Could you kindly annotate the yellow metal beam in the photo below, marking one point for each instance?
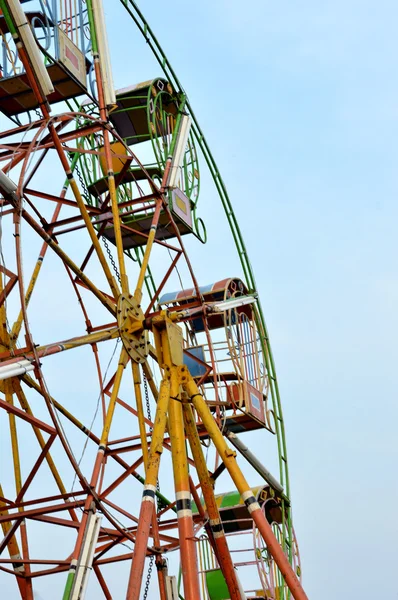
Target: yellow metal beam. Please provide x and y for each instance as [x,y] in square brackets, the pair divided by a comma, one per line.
[115,214]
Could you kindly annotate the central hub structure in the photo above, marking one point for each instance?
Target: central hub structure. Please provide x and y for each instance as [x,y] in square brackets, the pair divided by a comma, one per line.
[130,319]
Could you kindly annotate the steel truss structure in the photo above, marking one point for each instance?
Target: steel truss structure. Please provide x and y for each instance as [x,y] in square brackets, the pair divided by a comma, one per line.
[102,186]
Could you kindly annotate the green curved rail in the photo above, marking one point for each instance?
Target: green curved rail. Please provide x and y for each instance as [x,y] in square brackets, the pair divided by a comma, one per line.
[171,76]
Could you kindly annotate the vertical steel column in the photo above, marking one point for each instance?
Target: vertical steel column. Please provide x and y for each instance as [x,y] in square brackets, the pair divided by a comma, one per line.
[188,558]
[228,457]
[144,444]
[18,486]
[148,496]
[216,527]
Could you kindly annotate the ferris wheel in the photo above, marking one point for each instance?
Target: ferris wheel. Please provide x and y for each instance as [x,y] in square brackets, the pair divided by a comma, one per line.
[128,386]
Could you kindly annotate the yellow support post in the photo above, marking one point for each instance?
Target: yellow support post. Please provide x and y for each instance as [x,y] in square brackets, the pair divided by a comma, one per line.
[24,585]
[18,323]
[148,249]
[109,304]
[83,210]
[123,360]
[216,527]
[18,484]
[94,239]
[115,214]
[14,437]
[188,558]
[228,456]
[144,443]
[148,497]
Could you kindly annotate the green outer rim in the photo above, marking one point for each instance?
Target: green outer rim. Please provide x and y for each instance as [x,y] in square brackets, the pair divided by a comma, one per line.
[8,18]
[93,33]
[171,76]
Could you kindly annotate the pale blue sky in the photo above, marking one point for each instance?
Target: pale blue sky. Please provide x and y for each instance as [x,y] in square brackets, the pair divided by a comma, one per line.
[299,104]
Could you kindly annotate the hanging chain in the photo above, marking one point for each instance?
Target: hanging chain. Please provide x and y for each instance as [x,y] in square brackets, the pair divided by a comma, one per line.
[82,183]
[148,406]
[148,579]
[104,240]
[148,412]
[111,259]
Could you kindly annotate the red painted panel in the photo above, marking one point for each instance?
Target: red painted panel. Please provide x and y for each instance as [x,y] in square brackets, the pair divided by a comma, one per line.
[253,399]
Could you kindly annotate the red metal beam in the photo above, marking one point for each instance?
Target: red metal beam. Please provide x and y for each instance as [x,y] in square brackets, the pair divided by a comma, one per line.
[27,514]
[30,419]
[35,468]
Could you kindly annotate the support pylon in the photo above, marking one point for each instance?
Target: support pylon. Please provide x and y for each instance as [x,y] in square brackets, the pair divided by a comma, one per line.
[216,527]
[148,496]
[228,456]
[189,563]
[173,408]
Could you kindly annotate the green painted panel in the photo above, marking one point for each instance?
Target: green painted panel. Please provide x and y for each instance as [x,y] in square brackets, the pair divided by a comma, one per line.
[216,585]
[230,499]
